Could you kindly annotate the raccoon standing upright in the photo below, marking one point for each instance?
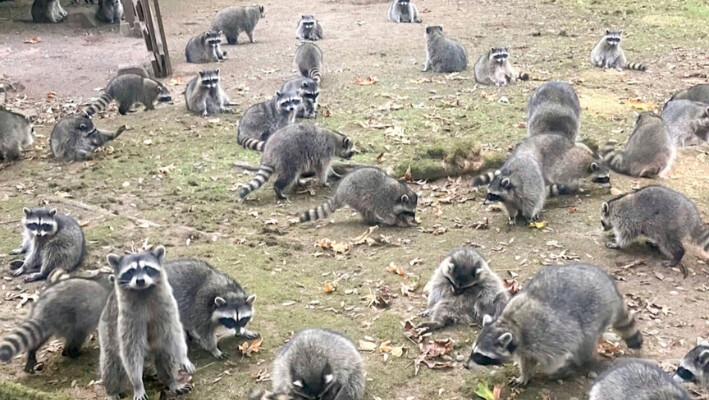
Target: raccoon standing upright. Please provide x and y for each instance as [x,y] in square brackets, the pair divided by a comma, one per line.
[403,11]
[75,137]
[109,11]
[205,48]
[636,380]
[443,55]
[262,119]
[50,11]
[141,321]
[308,61]
[555,323]
[49,240]
[309,28]
[687,121]
[462,290]
[495,69]
[609,54]
[554,108]
[127,90]
[319,364]
[204,94]
[694,367]
[379,198]
[16,135]
[236,19]
[308,91]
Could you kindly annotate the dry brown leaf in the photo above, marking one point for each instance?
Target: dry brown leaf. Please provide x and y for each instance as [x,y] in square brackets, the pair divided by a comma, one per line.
[365,81]
[248,349]
[166,170]
[396,269]
[328,288]
[33,40]
[608,349]
[512,286]
[337,247]
[365,345]
[432,350]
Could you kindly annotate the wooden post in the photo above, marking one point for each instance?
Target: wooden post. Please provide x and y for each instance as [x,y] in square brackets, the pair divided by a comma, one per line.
[147,13]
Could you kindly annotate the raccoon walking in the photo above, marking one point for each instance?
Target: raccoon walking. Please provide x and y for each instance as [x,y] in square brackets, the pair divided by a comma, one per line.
[636,380]
[294,150]
[127,90]
[687,121]
[75,138]
[262,119]
[204,94]
[209,301]
[609,54]
[462,290]
[69,308]
[308,91]
[236,19]
[694,367]
[403,11]
[649,152]
[379,198]
[109,11]
[494,68]
[308,61]
[205,48]
[16,135]
[49,240]
[141,320]
[554,108]
[319,364]
[665,217]
[48,11]
[555,323]
[443,55]
[309,28]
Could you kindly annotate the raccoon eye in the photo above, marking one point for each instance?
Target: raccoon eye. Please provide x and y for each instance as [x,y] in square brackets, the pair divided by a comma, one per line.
[82,127]
[151,272]
[127,276]
[32,226]
[46,227]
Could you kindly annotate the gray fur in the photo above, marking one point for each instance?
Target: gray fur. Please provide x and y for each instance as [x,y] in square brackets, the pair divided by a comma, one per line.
[694,367]
[257,394]
[204,94]
[236,19]
[262,119]
[16,135]
[555,323]
[128,89]
[554,108]
[141,320]
[379,198]
[309,28]
[308,61]
[205,48]
[317,363]
[75,138]
[109,11]
[49,11]
[308,91]
[495,69]
[297,149]
[636,380]
[687,121]
[698,93]
[403,11]
[443,55]
[608,54]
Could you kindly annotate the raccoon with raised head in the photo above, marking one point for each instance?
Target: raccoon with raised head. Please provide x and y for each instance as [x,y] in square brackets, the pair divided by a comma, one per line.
[379,198]
[666,218]
[555,323]
[609,54]
[75,138]
[50,11]
[308,61]
[687,121]
[204,94]
[109,11]
[127,90]
[403,11]
[16,135]
[210,302]
[319,364]
[462,290]
[443,55]
[141,321]
[698,93]
[308,91]
[236,19]
[69,308]
[309,28]
[636,380]
[554,108]
[49,240]
[262,119]
[494,68]
[294,150]
[648,153]
[694,367]
[205,48]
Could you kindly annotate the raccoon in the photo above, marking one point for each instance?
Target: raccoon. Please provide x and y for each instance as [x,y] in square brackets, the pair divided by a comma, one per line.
[694,367]
[555,323]
[554,108]
[209,301]
[309,28]
[49,240]
[403,11]
[609,54]
[236,19]
[109,11]
[262,119]
[127,90]
[687,121]
[665,217]
[308,60]
[205,48]
[308,91]
[69,308]
[75,138]
[319,364]
[698,93]
[141,319]
[636,380]
[16,135]
[443,55]
[649,152]
[577,163]
[294,150]
[379,198]
[48,11]
[494,68]
[462,290]
[204,94]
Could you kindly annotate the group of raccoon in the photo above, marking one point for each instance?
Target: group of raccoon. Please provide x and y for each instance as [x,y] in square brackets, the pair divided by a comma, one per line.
[51,11]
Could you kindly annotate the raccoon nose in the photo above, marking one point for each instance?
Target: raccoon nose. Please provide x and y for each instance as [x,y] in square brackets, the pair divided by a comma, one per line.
[140,282]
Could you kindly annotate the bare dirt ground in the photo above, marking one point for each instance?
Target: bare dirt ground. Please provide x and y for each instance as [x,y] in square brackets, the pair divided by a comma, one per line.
[174,169]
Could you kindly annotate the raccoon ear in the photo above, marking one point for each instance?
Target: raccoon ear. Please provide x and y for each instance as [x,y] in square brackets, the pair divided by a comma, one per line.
[278,93]
[505,339]
[112,278]
[329,378]
[219,301]
[201,73]
[26,210]
[703,358]
[605,208]
[608,31]
[347,142]
[428,29]
[298,383]
[620,32]
[114,260]
[492,49]
[52,212]
[159,252]
[250,299]
[506,183]
[487,319]
[404,198]
[217,71]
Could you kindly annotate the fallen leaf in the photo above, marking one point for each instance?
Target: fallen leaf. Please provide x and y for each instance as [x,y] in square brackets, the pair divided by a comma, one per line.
[248,349]
[512,286]
[365,345]
[166,170]
[608,349]
[365,81]
[33,40]
[328,288]
[337,247]
[538,224]
[396,269]
[484,392]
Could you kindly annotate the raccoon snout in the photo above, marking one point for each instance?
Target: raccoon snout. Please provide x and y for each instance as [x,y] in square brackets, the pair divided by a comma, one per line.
[601,179]
[140,282]
[606,227]
[348,155]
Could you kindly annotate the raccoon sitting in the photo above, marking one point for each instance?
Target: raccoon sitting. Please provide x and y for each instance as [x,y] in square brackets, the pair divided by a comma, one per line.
[687,121]
[694,367]
[636,380]
[698,93]
[308,61]
[205,48]
[236,19]
[127,90]
[663,216]
[109,11]
[204,94]
[649,152]
[308,91]
[609,54]
[379,198]
[319,364]
[555,323]
[294,150]
[262,119]
[403,11]
[443,55]
[16,135]
[75,138]
[554,108]
[309,28]
[462,290]
[494,68]
[209,301]
[50,11]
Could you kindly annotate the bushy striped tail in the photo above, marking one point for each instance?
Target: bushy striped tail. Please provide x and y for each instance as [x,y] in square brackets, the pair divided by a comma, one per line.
[261,176]
[700,235]
[625,326]
[57,275]
[614,159]
[555,190]
[99,105]
[314,73]
[522,76]
[28,335]
[486,178]
[323,210]
[636,67]
[250,143]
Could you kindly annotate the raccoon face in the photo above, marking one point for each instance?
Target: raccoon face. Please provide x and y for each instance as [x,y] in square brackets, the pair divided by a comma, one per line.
[463,270]
[493,346]
[613,37]
[162,93]
[499,54]
[209,78]
[403,2]
[288,102]
[430,30]
[694,367]
[41,222]
[140,271]
[233,313]
[308,21]
[599,172]
[213,38]
[312,386]
[344,148]
[310,105]
[500,189]
[405,207]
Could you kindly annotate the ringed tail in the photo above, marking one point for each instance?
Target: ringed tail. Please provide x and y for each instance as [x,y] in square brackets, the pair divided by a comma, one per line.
[555,190]
[614,159]
[523,76]
[28,335]
[250,143]
[314,73]
[700,235]
[625,326]
[321,211]
[636,67]
[261,176]
[485,179]
[98,105]
[57,275]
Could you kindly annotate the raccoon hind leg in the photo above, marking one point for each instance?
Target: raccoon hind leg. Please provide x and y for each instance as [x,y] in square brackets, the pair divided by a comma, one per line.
[167,369]
[285,182]
[72,346]
[231,36]
[673,249]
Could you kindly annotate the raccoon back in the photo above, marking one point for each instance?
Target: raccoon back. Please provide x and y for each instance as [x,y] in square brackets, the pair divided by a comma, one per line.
[15,133]
[237,18]
[679,115]
[695,93]
[446,55]
[636,380]
[554,108]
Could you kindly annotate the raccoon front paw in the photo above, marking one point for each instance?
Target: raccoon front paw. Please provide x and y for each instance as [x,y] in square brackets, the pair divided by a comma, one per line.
[140,396]
[19,271]
[205,114]
[188,367]
[613,245]
[426,327]
[33,277]
[183,389]
[219,355]
[519,382]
